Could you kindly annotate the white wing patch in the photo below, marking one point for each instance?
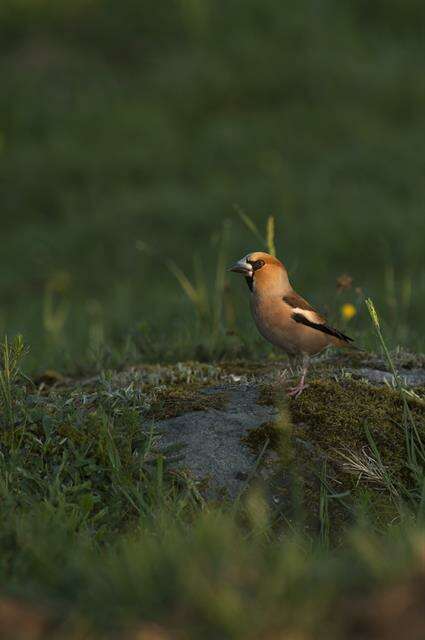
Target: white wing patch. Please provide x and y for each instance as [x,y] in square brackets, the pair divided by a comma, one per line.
[312,316]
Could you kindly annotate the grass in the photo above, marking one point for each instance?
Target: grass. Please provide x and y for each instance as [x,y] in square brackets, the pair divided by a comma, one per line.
[101,538]
[122,125]
[142,149]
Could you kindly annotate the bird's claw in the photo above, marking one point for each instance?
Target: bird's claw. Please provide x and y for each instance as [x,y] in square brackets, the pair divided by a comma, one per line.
[295,392]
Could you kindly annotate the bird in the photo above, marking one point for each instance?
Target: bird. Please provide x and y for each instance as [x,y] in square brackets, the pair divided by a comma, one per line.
[282,316]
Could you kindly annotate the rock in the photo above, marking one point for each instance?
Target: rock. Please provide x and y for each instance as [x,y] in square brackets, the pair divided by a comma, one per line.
[408,377]
[212,440]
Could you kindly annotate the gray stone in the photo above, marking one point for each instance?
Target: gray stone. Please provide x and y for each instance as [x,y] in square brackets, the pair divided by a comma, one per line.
[408,377]
[210,443]
[212,447]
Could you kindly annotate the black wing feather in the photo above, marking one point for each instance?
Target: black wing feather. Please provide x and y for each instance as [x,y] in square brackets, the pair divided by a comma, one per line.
[299,317]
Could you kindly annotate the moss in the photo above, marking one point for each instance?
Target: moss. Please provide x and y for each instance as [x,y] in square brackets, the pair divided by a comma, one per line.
[257,438]
[270,394]
[278,433]
[174,400]
[333,416]
[243,367]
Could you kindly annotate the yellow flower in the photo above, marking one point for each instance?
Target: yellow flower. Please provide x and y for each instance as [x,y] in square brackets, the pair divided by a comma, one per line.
[348,311]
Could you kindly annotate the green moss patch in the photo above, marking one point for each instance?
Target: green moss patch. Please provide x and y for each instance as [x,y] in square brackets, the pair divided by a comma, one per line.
[334,416]
[245,367]
[174,400]
[266,432]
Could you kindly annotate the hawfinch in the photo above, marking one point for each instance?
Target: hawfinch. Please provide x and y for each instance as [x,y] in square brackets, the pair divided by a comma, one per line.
[282,316]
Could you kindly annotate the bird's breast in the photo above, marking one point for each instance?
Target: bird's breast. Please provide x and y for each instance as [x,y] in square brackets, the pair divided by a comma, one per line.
[274,321]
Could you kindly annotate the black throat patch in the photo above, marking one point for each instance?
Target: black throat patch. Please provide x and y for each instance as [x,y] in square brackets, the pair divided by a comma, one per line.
[250,282]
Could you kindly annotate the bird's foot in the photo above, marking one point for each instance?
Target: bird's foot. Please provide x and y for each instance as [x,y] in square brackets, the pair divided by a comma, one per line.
[295,392]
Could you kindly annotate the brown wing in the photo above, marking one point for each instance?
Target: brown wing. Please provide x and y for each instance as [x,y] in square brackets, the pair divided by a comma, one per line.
[297,302]
[317,322]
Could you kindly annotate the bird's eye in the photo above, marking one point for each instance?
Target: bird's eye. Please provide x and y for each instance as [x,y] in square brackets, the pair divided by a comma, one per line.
[257,264]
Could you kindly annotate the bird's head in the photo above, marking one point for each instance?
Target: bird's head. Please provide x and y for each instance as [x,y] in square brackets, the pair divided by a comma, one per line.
[263,272]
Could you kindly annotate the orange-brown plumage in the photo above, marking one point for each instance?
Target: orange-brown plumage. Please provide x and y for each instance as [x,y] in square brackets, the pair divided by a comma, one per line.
[282,316]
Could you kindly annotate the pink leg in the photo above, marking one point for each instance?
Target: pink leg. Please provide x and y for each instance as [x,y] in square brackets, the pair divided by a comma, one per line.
[297,391]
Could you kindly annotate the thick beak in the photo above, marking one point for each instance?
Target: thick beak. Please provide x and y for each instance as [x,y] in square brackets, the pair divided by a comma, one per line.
[242,267]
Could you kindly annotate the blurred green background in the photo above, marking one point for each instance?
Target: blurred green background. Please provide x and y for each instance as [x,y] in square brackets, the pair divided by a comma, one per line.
[130,130]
